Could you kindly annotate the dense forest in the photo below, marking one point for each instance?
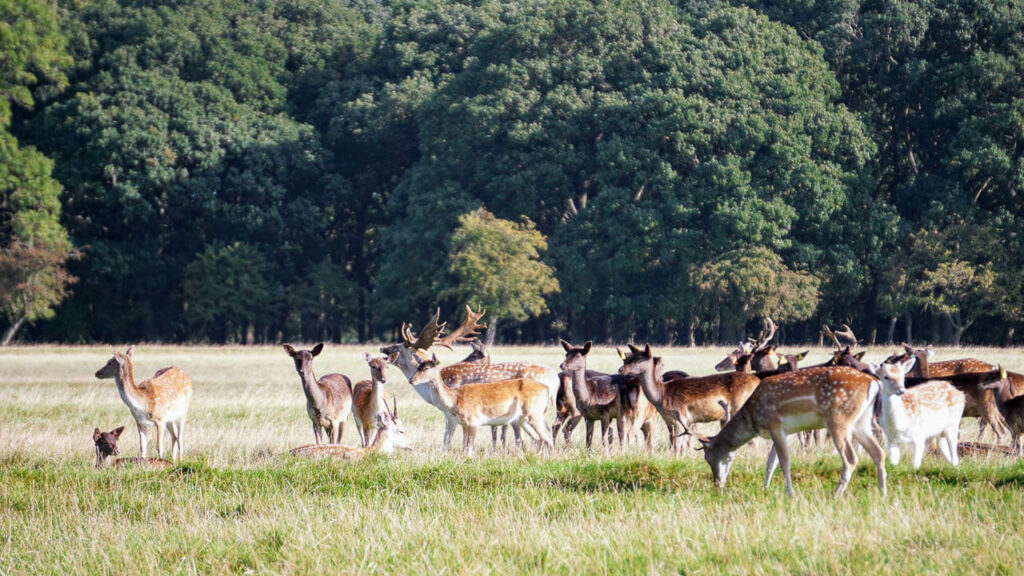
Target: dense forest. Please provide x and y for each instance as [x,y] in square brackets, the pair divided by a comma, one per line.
[267,170]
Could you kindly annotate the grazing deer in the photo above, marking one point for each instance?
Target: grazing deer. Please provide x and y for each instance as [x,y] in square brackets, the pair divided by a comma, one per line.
[763,357]
[328,399]
[930,410]
[520,402]
[368,399]
[836,398]
[390,435]
[161,401]
[596,395]
[1011,406]
[411,352]
[106,450]
[683,402]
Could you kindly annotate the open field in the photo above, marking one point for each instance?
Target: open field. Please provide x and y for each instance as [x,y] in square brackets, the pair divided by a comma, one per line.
[239,503]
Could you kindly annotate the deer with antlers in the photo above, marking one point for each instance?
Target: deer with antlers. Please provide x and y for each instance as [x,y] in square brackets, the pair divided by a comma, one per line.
[390,436]
[328,399]
[161,401]
[411,353]
[763,356]
[683,402]
[836,398]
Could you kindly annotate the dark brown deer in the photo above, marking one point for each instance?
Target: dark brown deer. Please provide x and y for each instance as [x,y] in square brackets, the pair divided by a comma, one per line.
[596,395]
[763,356]
[1011,407]
[683,402]
[107,450]
[328,399]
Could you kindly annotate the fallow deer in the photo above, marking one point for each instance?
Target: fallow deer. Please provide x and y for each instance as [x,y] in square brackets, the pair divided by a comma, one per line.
[162,401]
[763,356]
[328,399]
[1011,406]
[368,399]
[683,402]
[107,450]
[596,395]
[567,415]
[520,401]
[930,410]
[390,435]
[836,398]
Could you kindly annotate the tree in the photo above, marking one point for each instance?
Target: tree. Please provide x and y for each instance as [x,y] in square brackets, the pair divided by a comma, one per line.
[496,264]
[227,294]
[960,291]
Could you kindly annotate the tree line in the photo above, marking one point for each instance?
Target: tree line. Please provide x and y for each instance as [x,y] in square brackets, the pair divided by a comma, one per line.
[251,171]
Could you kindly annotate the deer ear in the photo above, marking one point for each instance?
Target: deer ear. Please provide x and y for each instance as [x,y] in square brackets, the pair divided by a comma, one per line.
[802,355]
[117,431]
[633,349]
[907,347]
[1002,373]
[392,358]
[288,348]
[647,350]
[96,435]
[130,351]
[928,352]
[908,364]
[586,347]
[317,349]
[621,355]
[565,345]
[860,355]
[367,356]
[433,358]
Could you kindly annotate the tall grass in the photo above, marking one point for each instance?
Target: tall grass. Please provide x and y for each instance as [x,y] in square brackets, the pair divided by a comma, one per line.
[237,503]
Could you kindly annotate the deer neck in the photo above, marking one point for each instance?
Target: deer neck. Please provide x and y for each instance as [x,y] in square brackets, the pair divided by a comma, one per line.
[894,411]
[130,393]
[311,386]
[579,384]
[736,433]
[446,397]
[654,387]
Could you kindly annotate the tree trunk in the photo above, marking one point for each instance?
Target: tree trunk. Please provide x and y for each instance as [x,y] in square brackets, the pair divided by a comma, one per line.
[11,331]
[910,329]
[492,331]
[1008,339]
[958,331]
[692,332]
[892,330]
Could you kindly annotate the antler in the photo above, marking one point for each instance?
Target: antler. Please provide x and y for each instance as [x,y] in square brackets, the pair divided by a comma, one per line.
[766,334]
[848,334]
[427,336]
[467,332]
[831,334]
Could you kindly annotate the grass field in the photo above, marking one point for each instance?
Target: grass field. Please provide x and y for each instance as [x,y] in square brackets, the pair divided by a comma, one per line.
[238,503]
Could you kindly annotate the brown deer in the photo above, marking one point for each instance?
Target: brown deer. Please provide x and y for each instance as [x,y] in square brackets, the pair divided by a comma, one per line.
[683,402]
[596,395]
[763,357]
[390,435]
[567,415]
[836,398]
[1011,407]
[162,401]
[520,402]
[328,399]
[368,399]
[106,450]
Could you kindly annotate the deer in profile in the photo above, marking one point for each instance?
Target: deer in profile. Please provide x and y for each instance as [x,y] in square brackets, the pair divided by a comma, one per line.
[1011,407]
[162,401]
[839,399]
[913,416]
[368,399]
[683,402]
[107,452]
[328,399]
[520,402]
[390,436]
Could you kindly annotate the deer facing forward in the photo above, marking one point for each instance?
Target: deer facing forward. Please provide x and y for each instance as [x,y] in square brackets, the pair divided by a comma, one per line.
[158,402]
[328,400]
[107,452]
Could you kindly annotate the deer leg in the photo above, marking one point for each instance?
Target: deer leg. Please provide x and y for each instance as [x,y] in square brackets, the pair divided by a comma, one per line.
[951,435]
[143,440]
[180,428]
[541,429]
[449,431]
[494,438]
[847,454]
[781,450]
[174,439]
[556,426]
[606,433]
[770,465]
[864,436]
[647,434]
[590,432]
[316,431]
[918,454]
[341,431]
[468,439]
[159,440]
[569,428]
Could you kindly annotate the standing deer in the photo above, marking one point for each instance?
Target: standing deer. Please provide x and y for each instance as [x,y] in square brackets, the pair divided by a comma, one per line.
[328,399]
[836,398]
[1011,406]
[763,356]
[390,435]
[161,401]
[106,450]
[930,410]
[519,401]
[368,399]
[683,402]
[596,395]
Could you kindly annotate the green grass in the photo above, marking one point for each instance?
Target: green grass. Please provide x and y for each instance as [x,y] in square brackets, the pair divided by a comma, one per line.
[237,503]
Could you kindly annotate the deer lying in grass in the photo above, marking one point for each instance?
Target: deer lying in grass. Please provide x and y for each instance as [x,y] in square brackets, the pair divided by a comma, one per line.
[520,402]
[106,450]
[836,398]
[162,401]
[390,435]
[328,399]
[931,410]
[683,402]
[368,399]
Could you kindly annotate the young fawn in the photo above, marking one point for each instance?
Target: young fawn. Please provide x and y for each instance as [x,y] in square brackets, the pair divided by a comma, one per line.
[368,399]
[390,435]
[161,401]
[107,450]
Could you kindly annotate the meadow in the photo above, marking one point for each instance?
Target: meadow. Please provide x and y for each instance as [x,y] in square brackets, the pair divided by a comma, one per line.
[238,503]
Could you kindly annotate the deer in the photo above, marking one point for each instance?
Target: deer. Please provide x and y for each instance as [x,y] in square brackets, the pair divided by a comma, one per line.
[683,402]
[390,436]
[597,396]
[520,402]
[836,398]
[567,415]
[913,416]
[1011,407]
[368,399]
[106,450]
[162,401]
[411,352]
[328,399]
[763,356]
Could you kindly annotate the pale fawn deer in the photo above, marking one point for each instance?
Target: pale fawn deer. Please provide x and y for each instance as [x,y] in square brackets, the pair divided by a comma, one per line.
[390,435]
[161,401]
[520,401]
[328,399]
[107,452]
[368,399]
[836,398]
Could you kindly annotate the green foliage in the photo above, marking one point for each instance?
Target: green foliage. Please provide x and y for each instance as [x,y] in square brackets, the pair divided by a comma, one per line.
[496,265]
[226,291]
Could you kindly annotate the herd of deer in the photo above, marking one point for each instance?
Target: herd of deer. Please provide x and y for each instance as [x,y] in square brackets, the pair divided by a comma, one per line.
[759,392]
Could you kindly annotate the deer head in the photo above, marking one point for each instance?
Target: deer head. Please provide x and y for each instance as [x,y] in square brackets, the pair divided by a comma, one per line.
[892,376]
[304,358]
[378,368]
[106,444]
[391,428]
[575,357]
